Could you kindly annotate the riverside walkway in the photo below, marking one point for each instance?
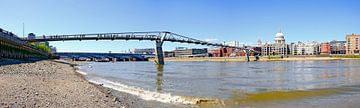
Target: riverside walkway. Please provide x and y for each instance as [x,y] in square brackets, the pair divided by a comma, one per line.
[11,46]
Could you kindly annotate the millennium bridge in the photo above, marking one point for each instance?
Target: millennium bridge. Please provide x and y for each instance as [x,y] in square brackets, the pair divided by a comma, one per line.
[158,36]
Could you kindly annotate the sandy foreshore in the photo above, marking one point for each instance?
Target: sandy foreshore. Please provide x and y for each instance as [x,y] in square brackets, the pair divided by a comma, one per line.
[50,84]
[56,84]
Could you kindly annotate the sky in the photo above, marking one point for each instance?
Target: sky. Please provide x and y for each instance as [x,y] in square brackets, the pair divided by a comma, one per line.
[245,21]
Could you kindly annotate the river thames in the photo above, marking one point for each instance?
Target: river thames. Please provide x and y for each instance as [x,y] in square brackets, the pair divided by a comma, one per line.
[328,83]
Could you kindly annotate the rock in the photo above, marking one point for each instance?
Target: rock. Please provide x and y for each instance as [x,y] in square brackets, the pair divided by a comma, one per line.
[115,99]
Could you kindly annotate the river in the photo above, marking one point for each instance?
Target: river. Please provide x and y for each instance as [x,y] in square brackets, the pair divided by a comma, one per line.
[332,83]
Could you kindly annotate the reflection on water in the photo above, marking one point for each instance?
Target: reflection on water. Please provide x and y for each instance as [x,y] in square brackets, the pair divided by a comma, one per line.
[159,74]
[238,82]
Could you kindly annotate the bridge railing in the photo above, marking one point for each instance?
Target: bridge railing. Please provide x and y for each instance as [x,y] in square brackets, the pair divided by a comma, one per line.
[154,35]
[125,35]
[10,36]
[182,39]
[14,40]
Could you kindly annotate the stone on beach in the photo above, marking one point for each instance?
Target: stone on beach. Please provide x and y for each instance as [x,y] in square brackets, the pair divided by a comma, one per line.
[49,84]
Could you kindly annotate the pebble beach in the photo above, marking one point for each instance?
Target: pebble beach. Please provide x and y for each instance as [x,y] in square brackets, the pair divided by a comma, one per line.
[56,84]
[50,84]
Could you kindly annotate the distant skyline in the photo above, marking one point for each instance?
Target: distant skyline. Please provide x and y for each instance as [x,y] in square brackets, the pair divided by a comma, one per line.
[245,21]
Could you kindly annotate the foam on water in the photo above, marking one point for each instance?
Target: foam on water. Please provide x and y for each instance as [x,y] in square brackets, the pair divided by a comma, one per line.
[81,72]
[78,70]
[149,95]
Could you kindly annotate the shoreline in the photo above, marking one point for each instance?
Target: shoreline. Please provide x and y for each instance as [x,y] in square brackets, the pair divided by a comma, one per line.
[126,99]
[130,100]
[252,59]
[49,83]
[229,103]
[46,84]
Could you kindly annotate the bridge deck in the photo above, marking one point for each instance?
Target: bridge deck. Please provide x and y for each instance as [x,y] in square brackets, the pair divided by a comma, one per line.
[152,36]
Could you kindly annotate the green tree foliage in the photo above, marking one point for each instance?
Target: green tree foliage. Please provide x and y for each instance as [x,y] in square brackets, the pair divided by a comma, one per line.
[345,56]
[42,47]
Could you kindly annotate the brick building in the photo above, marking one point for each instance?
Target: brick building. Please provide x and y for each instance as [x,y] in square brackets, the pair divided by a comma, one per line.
[325,48]
[352,44]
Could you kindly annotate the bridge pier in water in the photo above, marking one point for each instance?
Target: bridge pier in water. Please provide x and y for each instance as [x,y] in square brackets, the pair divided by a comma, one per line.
[159,58]
[247,52]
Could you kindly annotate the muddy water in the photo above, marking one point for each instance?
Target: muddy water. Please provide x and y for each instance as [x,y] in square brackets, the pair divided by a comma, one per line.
[334,83]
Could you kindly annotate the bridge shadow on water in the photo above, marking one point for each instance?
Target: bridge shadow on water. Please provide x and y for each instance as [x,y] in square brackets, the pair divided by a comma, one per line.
[159,75]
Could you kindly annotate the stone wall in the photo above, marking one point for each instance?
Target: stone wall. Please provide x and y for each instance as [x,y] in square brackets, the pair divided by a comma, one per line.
[13,47]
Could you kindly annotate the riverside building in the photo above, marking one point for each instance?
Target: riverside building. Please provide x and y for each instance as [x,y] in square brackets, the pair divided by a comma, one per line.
[233,43]
[277,48]
[307,48]
[227,52]
[337,47]
[352,44]
[194,52]
[169,53]
[144,51]
[325,48]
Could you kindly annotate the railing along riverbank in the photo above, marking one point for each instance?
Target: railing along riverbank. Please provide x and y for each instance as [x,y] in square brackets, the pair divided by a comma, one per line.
[11,46]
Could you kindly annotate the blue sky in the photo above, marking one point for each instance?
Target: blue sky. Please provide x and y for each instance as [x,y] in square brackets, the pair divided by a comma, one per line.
[222,20]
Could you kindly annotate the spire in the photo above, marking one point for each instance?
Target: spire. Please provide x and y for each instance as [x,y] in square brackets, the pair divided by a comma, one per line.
[280,30]
[259,43]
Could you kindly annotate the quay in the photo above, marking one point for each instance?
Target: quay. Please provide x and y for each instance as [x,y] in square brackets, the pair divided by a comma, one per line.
[11,46]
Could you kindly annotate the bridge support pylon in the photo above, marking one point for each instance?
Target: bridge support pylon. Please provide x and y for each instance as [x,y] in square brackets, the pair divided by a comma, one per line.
[159,58]
[247,53]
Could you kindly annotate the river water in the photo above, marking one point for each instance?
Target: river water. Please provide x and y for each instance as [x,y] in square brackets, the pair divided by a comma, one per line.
[333,83]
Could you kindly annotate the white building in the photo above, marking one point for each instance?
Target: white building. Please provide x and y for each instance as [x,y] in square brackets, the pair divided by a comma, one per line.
[277,48]
[233,43]
[53,49]
[307,48]
[144,51]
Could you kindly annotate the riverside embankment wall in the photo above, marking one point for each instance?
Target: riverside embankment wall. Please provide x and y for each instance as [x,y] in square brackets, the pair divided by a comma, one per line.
[11,46]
